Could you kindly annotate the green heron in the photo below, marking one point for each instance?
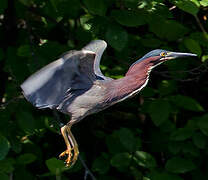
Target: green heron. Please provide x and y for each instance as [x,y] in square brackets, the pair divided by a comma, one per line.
[75,85]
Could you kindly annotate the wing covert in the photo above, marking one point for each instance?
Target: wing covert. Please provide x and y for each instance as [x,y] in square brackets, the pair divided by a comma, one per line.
[49,86]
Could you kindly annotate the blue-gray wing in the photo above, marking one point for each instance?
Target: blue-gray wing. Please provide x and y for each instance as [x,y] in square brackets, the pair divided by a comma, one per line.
[53,83]
[97,46]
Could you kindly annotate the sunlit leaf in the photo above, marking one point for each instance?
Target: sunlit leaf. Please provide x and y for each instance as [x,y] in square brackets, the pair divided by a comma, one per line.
[144,159]
[188,6]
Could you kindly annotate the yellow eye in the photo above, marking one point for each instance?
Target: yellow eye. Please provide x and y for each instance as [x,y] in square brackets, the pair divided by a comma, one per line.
[162,54]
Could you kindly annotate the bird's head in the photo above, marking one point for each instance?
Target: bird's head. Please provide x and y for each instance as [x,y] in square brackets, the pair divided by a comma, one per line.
[156,57]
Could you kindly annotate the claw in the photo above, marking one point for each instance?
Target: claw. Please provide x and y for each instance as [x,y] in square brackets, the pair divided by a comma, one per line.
[71,159]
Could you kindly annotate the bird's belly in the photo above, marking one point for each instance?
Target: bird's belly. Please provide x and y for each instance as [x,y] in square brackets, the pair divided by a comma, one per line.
[88,103]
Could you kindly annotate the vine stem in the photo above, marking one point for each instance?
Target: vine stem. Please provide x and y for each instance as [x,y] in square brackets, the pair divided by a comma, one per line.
[87,170]
[201,26]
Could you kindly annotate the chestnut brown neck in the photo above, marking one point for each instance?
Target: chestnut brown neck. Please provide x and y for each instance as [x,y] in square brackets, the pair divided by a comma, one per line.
[135,79]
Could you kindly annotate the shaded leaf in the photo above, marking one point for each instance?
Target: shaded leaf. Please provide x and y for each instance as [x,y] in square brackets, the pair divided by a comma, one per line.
[159,111]
[187,103]
[164,176]
[179,165]
[3,6]
[203,124]
[199,140]
[55,166]
[193,46]
[4,176]
[121,160]
[181,134]
[129,18]
[4,147]
[24,51]
[6,165]
[117,37]
[169,29]
[96,7]
[26,158]
[101,165]
[127,138]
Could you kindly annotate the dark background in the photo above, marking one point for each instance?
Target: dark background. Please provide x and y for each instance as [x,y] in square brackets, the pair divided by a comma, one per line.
[161,134]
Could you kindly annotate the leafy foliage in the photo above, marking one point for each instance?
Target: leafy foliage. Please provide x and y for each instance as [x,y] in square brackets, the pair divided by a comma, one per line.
[161,134]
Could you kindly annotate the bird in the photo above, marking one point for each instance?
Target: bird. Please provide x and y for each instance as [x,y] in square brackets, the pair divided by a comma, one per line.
[75,85]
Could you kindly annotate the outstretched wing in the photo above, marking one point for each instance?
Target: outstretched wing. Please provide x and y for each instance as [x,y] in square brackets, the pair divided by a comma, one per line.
[97,46]
[50,85]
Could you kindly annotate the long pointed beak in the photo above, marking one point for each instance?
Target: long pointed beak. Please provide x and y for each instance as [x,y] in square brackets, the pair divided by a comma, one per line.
[173,55]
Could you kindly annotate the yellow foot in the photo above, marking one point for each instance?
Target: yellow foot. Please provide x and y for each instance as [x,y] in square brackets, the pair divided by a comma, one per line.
[71,157]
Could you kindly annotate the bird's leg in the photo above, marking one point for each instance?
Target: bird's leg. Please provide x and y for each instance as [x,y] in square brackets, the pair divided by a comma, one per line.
[72,151]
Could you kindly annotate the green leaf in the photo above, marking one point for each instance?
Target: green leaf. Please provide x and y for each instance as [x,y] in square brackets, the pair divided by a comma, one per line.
[174,147]
[114,146]
[204,58]
[204,3]
[24,51]
[188,6]
[187,103]
[144,159]
[3,6]
[181,134]
[168,29]
[203,124]
[4,176]
[159,111]
[117,37]
[164,176]
[189,149]
[26,158]
[101,165]
[193,46]
[96,7]
[129,18]
[121,160]
[179,165]
[199,140]
[6,165]
[151,42]
[4,147]
[167,87]
[55,166]
[127,139]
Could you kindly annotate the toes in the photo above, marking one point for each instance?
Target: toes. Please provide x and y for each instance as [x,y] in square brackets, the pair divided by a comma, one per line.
[71,157]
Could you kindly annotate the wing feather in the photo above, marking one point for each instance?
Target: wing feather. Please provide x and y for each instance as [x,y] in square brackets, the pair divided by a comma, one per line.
[50,85]
[97,46]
